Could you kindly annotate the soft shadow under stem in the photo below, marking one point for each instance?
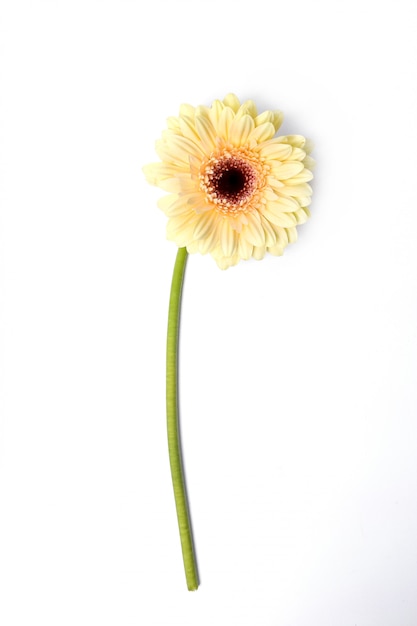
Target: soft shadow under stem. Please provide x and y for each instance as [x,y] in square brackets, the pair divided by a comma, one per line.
[174,442]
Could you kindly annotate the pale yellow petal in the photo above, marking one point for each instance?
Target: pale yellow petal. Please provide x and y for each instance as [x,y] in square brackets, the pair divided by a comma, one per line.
[274,150]
[225,120]
[308,146]
[205,224]
[283,204]
[206,132]
[258,252]
[173,205]
[193,247]
[309,163]
[244,249]
[228,238]
[185,147]
[253,231]
[181,183]
[232,101]
[264,118]
[289,169]
[270,237]
[157,172]
[302,215]
[215,112]
[262,133]
[173,123]
[272,213]
[274,183]
[297,154]
[303,177]
[211,239]
[277,250]
[303,189]
[202,111]
[278,119]
[184,222]
[187,126]
[292,234]
[298,141]
[188,110]
[176,149]
[250,107]
[240,130]
[281,235]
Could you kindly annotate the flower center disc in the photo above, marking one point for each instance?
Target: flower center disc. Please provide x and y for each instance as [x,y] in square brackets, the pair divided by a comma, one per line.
[229,181]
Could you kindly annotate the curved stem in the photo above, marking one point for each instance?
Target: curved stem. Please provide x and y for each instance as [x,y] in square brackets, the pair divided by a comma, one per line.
[174,444]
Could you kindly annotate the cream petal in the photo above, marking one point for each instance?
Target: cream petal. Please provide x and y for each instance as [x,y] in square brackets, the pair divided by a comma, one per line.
[270,237]
[303,201]
[277,250]
[177,150]
[303,177]
[289,169]
[185,147]
[281,235]
[157,172]
[187,126]
[223,262]
[292,234]
[225,120]
[297,141]
[302,215]
[240,129]
[210,241]
[303,189]
[188,110]
[227,238]
[204,225]
[173,205]
[180,184]
[297,154]
[278,119]
[253,231]
[194,166]
[215,112]
[308,146]
[283,204]
[206,132]
[309,163]
[274,183]
[250,108]
[202,111]
[183,222]
[264,118]
[258,252]
[173,123]
[274,150]
[244,249]
[262,133]
[166,202]
[271,213]
[232,101]
[193,248]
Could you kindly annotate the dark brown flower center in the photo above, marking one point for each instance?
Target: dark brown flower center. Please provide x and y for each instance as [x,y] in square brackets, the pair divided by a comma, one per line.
[231,180]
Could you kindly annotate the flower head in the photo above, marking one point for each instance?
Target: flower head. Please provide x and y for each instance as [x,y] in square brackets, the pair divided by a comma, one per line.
[235,190]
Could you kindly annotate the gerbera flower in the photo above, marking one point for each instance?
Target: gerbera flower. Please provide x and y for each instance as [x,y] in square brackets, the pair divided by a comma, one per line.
[235,190]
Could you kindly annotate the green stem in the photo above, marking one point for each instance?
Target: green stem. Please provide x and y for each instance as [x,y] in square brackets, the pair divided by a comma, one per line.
[174,444]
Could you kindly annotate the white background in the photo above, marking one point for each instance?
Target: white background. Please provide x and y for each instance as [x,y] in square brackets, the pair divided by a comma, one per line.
[298,374]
